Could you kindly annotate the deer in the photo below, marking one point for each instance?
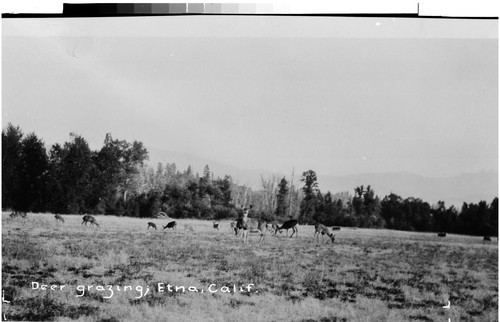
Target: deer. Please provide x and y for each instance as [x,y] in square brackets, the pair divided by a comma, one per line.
[59,218]
[188,227]
[441,234]
[290,224]
[152,224]
[216,225]
[317,229]
[171,224]
[323,230]
[251,225]
[89,219]
[486,239]
[272,227]
[232,226]
[238,226]
[18,214]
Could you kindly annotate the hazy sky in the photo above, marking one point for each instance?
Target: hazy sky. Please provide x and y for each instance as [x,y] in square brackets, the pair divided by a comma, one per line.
[336,95]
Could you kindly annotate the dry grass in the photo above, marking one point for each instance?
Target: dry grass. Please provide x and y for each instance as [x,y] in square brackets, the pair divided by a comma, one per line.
[367,275]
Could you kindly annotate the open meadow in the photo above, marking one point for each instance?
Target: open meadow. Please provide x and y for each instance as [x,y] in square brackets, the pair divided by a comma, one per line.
[123,271]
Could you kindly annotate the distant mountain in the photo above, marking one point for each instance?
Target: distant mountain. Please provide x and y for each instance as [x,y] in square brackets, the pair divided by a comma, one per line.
[454,190]
[249,178]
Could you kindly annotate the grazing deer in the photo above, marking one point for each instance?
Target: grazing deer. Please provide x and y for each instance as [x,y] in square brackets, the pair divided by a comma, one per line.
[486,238]
[290,224]
[323,230]
[59,218]
[18,214]
[171,224]
[188,227]
[317,229]
[216,225]
[441,234]
[89,219]
[152,224]
[251,225]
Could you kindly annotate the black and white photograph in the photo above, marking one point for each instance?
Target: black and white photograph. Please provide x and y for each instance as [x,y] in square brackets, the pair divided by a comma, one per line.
[249,162]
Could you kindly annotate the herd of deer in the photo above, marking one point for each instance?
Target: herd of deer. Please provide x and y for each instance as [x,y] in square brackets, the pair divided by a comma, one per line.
[244,224]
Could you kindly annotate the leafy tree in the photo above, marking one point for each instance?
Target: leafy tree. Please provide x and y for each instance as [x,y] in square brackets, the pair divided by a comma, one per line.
[310,190]
[282,198]
[33,174]
[206,173]
[493,217]
[445,220]
[71,168]
[367,207]
[117,165]
[11,160]
[224,186]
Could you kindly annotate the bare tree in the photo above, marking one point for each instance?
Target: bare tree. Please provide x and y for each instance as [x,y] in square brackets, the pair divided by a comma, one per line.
[269,187]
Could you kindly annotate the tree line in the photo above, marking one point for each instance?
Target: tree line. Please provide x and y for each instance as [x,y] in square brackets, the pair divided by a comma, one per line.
[115,180]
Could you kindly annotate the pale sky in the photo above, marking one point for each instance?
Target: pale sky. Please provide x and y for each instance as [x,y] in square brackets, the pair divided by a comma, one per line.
[336,95]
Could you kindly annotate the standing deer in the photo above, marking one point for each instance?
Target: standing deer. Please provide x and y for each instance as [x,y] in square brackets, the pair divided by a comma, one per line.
[59,218]
[238,226]
[89,219]
[251,225]
[486,239]
[152,224]
[171,224]
[216,225]
[290,224]
[441,234]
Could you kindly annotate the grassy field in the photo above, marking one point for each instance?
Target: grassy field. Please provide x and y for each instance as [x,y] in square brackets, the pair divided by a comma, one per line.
[122,271]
